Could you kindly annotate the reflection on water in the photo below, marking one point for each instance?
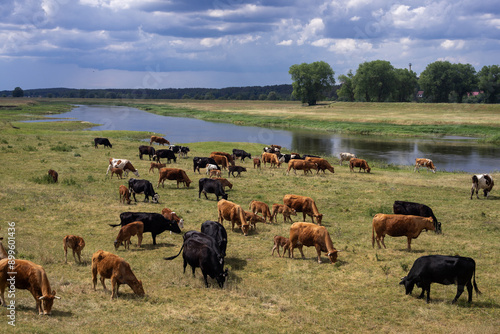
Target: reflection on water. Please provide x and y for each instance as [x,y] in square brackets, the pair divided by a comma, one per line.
[447,154]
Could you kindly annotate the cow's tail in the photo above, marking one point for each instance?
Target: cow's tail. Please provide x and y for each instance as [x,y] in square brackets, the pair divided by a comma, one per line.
[173,257]
[474,283]
[114,225]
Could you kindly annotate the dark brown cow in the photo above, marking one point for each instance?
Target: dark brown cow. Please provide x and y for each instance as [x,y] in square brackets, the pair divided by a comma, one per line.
[227,155]
[256,163]
[176,174]
[221,160]
[224,182]
[54,175]
[362,164]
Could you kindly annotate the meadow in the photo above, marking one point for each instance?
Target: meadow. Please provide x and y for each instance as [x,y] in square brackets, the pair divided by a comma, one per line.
[263,293]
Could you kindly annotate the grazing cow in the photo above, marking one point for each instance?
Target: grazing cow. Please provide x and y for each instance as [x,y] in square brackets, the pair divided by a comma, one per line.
[258,206]
[416,209]
[76,244]
[102,141]
[207,240]
[241,154]
[303,204]
[256,162]
[206,185]
[182,150]
[287,157]
[304,165]
[218,232]
[285,210]
[345,156]
[280,241]
[481,181]
[253,219]
[54,175]
[227,155]
[123,164]
[110,266]
[124,194]
[237,169]
[176,174]
[234,213]
[171,215]
[398,226]
[202,255]
[211,167]
[118,172]
[202,162]
[159,140]
[153,222]
[307,234]
[362,164]
[444,270]
[146,150]
[323,164]
[422,162]
[270,158]
[272,149]
[128,231]
[225,182]
[27,275]
[220,160]
[143,187]
[156,165]
[165,154]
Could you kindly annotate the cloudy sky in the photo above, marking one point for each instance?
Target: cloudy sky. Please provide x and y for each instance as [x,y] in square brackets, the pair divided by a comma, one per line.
[223,43]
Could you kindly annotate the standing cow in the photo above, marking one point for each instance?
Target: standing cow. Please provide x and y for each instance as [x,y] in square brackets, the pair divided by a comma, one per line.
[481,181]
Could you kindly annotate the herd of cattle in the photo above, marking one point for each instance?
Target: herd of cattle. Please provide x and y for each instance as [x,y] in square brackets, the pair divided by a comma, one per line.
[207,249]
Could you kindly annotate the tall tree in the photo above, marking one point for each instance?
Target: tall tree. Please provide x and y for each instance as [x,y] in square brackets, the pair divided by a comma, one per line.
[489,83]
[374,81]
[18,92]
[464,80]
[346,91]
[406,84]
[437,81]
[311,81]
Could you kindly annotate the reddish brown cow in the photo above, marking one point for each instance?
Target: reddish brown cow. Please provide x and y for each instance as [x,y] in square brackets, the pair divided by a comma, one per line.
[28,276]
[176,174]
[128,231]
[110,266]
[117,171]
[54,175]
[156,165]
[253,219]
[159,140]
[124,194]
[285,210]
[362,164]
[303,204]
[224,182]
[283,242]
[232,212]
[221,160]
[422,162]
[398,226]
[256,163]
[323,164]
[304,165]
[227,155]
[270,158]
[260,207]
[171,215]
[74,242]
[307,234]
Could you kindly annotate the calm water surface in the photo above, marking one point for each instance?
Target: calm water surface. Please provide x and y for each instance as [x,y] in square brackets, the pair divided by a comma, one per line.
[448,154]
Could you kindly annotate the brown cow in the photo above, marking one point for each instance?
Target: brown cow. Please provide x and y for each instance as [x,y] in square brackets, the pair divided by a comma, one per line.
[227,155]
[307,234]
[422,162]
[28,276]
[215,173]
[304,165]
[270,158]
[159,140]
[128,231]
[220,160]
[303,204]
[124,194]
[117,171]
[124,164]
[258,206]
[228,210]
[171,215]
[362,164]
[176,174]
[110,266]
[398,226]
[285,210]
[54,175]
[323,164]
[253,219]
[224,182]
[156,165]
[283,242]
[74,242]
[256,163]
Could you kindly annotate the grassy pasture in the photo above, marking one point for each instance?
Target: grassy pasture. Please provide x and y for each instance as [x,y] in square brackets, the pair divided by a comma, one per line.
[360,293]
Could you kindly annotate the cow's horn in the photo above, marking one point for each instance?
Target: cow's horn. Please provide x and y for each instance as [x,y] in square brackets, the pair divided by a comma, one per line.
[57,297]
[41,297]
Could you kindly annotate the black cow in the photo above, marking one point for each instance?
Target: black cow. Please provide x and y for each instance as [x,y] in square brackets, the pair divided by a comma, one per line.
[102,141]
[202,162]
[287,157]
[443,270]
[218,232]
[212,186]
[149,150]
[416,209]
[183,150]
[207,240]
[143,187]
[238,169]
[153,222]
[199,254]
[241,154]
[165,154]
[310,155]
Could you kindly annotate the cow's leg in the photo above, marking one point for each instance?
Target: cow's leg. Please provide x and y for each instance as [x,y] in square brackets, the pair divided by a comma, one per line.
[318,250]
[205,278]
[301,252]
[139,239]
[409,244]
[65,254]
[469,291]
[184,266]
[422,293]
[94,275]
[103,284]
[460,290]
[2,291]
[114,287]
[382,241]
[74,256]
[154,238]
[133,194]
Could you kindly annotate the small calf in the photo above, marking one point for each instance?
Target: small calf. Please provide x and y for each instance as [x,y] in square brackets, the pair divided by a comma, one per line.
[74,242]
[256,163]
[124,195]
[53,174]
[252,218]
[117,171]
[128,231]
[283,242]
[156,165]
[215,173]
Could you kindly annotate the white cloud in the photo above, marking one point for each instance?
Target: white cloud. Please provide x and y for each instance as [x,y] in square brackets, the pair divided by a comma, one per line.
[288,42]
[355,18]
[453,45]
[211,42]
[311,30]
[349,45]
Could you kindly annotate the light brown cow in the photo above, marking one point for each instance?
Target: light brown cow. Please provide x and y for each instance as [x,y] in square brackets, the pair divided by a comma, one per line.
[29,276]
[74,242]
[3,252]
[398,226]
[323,164]
[118,172]
[285,210]
[422,162]
[110,266]
[256,163]
[156,165]
[307,234]
[54,175]
[253,219]
[128,231]
[303,204]
[232,212]
[270,158]
[304,165]
[280,241]
[224,182]
[215,173]
[176,174]
[220,160]
[159,140]
[171,215]
[227,155]
[362,164]
[260,207]
[124,194]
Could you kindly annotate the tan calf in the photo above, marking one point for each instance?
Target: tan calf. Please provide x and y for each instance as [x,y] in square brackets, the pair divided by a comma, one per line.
[74,242]
[260,207]
[117,171]
[256,163]
[215,173]
[285,210]
[280,241]
[124,194]
[156,165]
[253,219]
[128,231]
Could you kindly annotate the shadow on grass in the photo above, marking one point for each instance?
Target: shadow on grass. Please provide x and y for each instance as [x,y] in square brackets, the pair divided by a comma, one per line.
[235,263]
[151,246]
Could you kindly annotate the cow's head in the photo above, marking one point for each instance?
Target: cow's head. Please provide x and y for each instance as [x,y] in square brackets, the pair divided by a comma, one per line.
[136,173]
[333,256]
[137,287]
[224,196]
[156,198]
[245,228]
[437,228]
[47,302]
[221,278]
[318,217]
[408,284]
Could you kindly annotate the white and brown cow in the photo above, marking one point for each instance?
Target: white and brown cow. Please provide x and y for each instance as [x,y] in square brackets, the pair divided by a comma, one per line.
[123,164]
[423,162]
